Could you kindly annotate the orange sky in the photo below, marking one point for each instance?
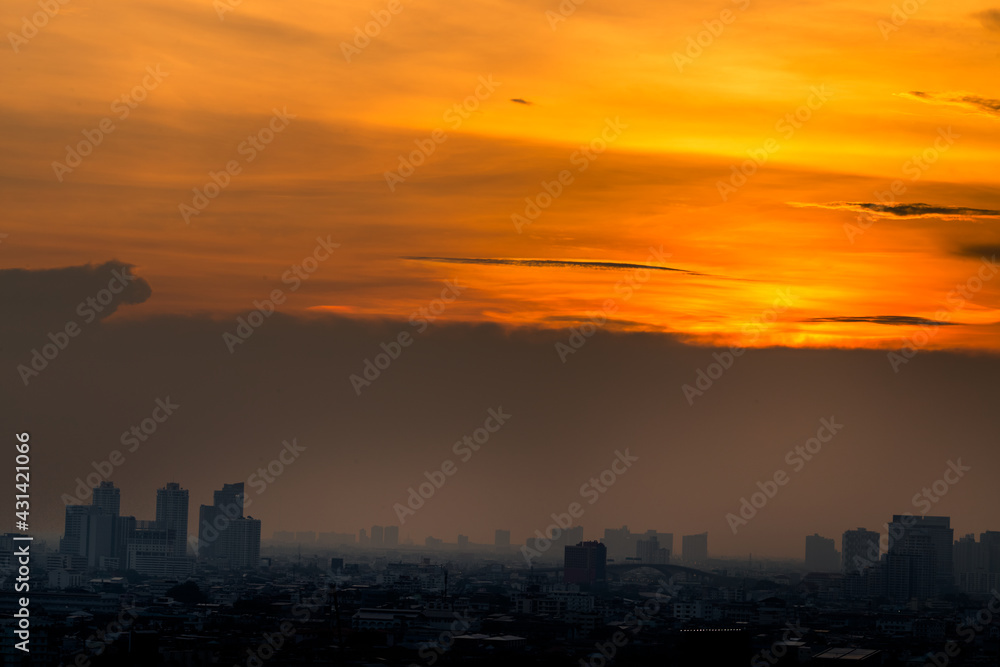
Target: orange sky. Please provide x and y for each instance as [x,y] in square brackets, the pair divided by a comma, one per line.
[657,184]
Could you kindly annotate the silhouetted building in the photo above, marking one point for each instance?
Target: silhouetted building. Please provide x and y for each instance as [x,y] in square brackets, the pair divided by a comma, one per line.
[152,550]
[821,554]
[650,552]
[74,540]
[977,564]
[859,550]
[619,543]
[694,548]
[585,563]
[225,537]
[378,536]
[108,497]
[920,563]
[391,536]
[100,537]
[172,514]
[463,541]
[230,495]
[665,540]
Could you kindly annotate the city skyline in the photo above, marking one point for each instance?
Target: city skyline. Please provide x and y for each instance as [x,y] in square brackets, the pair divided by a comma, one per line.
[859,547]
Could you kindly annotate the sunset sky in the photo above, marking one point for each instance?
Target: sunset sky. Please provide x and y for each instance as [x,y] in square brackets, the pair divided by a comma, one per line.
[687,122]
[868,205]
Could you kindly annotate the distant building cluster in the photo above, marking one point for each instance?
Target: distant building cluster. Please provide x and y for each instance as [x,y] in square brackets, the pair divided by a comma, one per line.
[98,538]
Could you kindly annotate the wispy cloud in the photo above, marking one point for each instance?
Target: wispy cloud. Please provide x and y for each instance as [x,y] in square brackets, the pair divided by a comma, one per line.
[891,320]
[551,263]
[981,105]
[905,210]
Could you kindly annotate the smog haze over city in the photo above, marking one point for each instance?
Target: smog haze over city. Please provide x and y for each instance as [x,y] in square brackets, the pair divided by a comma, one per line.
[456,334]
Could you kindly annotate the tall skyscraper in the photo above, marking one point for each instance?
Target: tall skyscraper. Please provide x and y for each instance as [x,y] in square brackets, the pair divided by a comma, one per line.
[585,563]
[230,495]
[694,548]
[100,536]
[108,497]
[378,536]
[391,536]
[225,536]
[859,550]
[74,541]
[172,514]
[821,554]
[919,545]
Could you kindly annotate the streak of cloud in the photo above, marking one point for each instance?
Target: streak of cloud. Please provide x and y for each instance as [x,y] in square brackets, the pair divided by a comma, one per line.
[900,210]
[551,263]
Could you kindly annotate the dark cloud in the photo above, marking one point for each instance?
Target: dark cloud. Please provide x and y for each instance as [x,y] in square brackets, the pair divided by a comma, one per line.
[989,18]
[901,210]
[520,101]
[892,320]
[983,105]
[35,298]
[551,263]
[979,251]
